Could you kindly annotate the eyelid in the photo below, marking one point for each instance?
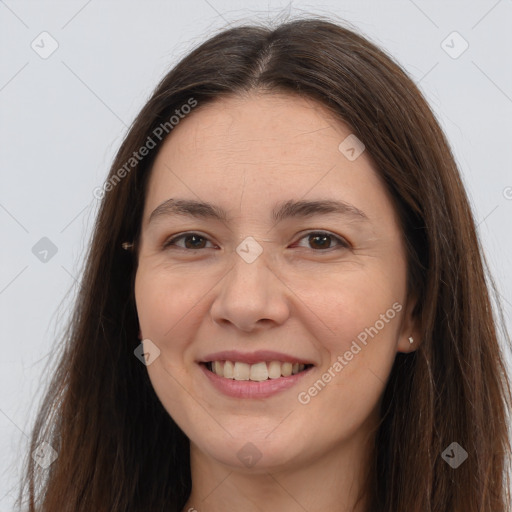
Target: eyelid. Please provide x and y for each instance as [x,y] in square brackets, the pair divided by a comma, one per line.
[342,242]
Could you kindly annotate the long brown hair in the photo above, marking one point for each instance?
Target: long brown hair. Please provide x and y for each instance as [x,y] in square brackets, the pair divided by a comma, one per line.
[118,448]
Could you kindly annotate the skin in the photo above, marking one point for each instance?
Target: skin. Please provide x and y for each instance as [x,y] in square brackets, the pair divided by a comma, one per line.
[245,154]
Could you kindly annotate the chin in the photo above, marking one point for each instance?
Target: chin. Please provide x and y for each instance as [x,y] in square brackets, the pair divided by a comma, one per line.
[248,450]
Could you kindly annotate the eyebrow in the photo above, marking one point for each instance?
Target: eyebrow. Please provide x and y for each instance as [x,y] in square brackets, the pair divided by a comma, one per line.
[285,210]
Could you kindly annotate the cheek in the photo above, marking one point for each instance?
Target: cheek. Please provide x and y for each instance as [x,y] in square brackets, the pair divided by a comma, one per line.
[348,387]
[163,305]
[349,303]
[160,306]
[357,319]
[164,300]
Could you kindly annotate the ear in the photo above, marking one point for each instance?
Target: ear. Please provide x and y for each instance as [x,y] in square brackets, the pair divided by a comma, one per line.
[410,328]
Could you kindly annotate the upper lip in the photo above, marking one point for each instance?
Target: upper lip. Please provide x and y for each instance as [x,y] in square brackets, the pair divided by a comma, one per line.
[253,357]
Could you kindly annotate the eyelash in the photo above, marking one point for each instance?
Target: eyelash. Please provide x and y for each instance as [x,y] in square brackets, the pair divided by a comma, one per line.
[341,241]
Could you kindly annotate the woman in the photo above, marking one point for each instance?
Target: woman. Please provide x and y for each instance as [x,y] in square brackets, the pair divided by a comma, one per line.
[284,305]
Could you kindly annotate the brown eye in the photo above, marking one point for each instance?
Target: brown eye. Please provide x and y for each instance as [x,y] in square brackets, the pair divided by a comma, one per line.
[320,240]
[191,241]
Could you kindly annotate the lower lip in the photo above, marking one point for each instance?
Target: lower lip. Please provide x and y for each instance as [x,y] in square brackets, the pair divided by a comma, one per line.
[252,389]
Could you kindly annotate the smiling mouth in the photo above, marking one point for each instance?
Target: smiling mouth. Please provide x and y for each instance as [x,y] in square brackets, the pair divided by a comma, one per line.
[258,372]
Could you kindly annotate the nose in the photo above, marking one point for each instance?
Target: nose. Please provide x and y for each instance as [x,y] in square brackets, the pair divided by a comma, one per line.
[251,296]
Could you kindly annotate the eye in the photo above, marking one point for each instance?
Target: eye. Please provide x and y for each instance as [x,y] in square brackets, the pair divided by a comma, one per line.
[323,239]
[192,241]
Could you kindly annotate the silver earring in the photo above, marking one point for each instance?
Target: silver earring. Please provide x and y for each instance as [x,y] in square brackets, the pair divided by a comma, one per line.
[411,340]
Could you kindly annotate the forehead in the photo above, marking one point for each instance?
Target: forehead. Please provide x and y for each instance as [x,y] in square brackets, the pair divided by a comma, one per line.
[276,121]
[263,147]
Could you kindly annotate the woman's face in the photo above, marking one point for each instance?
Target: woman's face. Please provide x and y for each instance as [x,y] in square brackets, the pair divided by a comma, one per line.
[295,264]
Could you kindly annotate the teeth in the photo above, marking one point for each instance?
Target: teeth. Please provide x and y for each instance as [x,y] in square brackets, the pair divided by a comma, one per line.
[228,369]
[286,369]
[274,369]
[241,371]
[256,372]
[218,368]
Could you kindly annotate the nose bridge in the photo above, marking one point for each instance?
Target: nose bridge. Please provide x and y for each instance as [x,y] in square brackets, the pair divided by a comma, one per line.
[251,276]
[250,291]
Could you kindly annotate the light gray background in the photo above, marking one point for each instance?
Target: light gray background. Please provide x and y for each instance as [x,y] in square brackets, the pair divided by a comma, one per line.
[63,118]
